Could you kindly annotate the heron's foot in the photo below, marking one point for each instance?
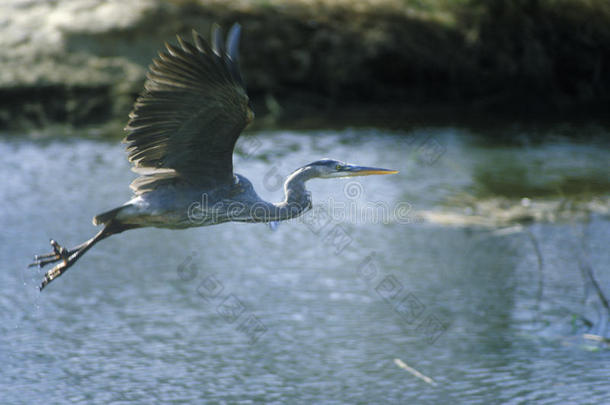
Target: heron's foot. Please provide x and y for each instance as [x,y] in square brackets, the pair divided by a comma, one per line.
[59,253]
[55,272]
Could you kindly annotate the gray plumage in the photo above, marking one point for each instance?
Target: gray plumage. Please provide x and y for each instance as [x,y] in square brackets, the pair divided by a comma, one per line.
[187,120]
[180,139]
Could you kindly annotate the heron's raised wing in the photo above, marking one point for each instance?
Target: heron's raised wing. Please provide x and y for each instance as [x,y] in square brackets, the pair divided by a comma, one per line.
[187,120]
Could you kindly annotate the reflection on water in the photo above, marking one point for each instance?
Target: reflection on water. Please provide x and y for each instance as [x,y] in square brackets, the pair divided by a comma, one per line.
[492,305]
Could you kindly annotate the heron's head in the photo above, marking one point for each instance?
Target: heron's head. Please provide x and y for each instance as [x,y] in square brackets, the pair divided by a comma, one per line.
[329,168]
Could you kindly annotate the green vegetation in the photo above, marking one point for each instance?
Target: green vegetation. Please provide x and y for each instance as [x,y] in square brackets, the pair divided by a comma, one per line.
[368,59]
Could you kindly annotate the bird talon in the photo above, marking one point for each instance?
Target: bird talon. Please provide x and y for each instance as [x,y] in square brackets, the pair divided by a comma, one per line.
[55,272]
[44,283]
[59,253]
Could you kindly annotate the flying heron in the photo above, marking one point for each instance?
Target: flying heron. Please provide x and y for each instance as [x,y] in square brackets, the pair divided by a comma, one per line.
[180,139]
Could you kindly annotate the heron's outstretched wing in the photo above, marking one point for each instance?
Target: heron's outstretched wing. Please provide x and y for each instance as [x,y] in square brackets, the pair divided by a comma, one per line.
[193,108]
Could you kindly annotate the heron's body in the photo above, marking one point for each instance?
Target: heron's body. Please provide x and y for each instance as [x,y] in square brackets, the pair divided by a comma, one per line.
[168,207]
[180,206]
[181,135]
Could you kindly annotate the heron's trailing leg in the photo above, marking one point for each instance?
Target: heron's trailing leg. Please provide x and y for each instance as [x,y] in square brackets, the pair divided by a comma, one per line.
[69,257]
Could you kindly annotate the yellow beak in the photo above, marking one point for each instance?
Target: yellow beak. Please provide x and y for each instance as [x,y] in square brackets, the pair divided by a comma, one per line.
[366,171]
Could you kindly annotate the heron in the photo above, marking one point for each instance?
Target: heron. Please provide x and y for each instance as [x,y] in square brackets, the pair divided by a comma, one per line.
[180,138]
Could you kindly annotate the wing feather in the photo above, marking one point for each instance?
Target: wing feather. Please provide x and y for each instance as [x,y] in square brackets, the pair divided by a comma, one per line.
[193,108]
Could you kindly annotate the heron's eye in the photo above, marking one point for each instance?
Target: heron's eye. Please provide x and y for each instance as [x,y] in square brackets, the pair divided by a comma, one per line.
[338,167]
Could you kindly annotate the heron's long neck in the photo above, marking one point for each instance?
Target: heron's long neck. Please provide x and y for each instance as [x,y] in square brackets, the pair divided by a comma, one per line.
[297,199]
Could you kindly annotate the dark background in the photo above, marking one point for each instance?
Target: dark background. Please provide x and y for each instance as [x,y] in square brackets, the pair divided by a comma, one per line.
[316,63]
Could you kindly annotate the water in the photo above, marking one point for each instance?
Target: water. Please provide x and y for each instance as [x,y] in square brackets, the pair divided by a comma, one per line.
[318,310]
